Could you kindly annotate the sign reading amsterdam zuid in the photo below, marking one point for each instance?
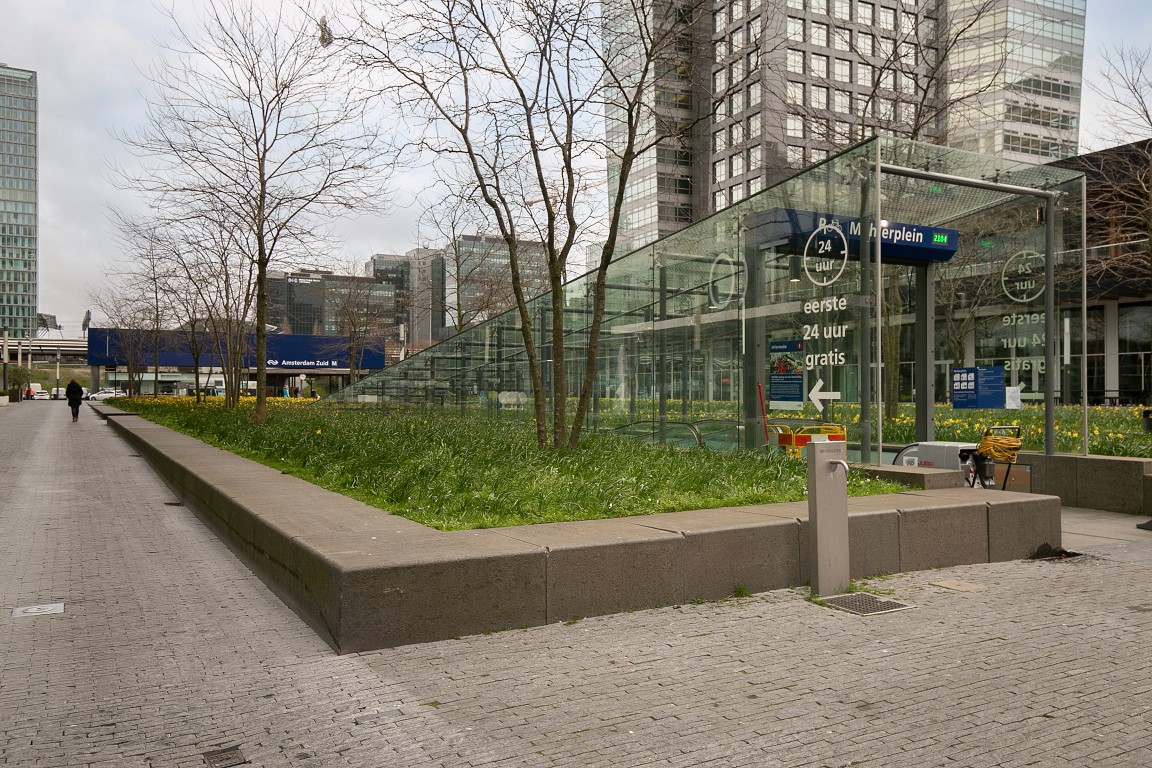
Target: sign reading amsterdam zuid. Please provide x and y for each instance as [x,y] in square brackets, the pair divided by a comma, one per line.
[900,243]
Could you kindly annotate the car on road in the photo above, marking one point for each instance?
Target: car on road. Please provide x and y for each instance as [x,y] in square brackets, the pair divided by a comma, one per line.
[41,394]
[104,394]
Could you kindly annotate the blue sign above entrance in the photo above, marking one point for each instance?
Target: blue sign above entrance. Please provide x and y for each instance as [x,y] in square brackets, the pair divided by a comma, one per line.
[900,243]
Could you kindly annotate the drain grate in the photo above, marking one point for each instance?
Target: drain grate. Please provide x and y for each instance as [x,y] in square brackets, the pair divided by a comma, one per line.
[223,758]
[863,603]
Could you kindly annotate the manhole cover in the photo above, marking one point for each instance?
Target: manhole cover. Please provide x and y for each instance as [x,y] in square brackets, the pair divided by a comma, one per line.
[222,758]
[864,603]
[38,610]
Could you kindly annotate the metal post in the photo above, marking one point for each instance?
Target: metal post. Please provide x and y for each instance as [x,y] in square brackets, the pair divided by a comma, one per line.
[828,518]
[5,361]
[1050,325]
[879,315]
[924,378]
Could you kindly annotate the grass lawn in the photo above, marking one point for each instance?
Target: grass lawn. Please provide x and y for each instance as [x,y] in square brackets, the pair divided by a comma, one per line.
[452,472]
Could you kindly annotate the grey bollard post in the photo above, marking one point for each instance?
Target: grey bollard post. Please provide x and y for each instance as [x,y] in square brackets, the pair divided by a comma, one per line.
[828,517]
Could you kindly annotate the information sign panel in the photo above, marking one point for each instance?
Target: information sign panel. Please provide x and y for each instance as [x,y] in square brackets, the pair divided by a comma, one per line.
[979,387]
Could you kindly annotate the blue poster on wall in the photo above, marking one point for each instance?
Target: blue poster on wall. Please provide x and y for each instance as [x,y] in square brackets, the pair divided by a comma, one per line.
[979,387]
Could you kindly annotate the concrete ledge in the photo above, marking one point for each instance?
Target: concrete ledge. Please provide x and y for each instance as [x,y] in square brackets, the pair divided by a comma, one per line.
[365,579]
[923,478]
[1110,483]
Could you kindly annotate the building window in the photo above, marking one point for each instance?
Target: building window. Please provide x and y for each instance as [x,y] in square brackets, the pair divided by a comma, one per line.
[796,4]
[842,102]
[818,7]
[818,97]
[679,213]
[866,44]
[844,70]
[795,156]
[795,29]
[754,94]
[842,39]
[735,134]
[673,185]
[736,165]
[795,61]
[720,171]
[818,66]
[795,93]
[887,19]
[753,127]
[819,34]
[794,127]
[865,13]
[842,9]
[863,74]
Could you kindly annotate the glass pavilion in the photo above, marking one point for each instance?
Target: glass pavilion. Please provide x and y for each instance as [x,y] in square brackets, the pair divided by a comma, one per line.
[786,306]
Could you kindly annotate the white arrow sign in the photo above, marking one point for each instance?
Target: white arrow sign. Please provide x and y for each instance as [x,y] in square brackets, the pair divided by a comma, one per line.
[817,397]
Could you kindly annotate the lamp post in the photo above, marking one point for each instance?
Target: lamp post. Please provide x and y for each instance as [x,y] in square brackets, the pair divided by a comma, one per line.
[56,392]
[5,360]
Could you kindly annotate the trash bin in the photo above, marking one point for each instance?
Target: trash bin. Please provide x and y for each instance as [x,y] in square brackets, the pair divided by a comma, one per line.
[1148,421]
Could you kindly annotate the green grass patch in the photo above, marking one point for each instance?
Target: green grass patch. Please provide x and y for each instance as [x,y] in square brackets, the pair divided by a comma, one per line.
[453,473]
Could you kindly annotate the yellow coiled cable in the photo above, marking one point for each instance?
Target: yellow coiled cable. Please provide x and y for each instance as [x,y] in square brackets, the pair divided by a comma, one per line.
[999,447]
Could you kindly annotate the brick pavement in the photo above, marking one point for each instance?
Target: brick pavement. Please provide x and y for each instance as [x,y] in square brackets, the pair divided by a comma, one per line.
[169,648]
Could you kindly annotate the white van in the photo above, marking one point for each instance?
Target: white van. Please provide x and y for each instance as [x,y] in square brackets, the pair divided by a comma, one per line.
[61,393]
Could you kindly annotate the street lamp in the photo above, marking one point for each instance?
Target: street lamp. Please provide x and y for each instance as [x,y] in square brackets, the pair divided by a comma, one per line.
[5,360]
[56,392]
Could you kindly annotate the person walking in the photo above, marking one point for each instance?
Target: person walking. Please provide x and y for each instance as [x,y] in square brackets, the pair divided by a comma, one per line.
[75,393]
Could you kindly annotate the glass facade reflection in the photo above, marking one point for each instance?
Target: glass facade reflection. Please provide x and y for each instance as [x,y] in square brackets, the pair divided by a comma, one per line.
[19,273]
[775,308]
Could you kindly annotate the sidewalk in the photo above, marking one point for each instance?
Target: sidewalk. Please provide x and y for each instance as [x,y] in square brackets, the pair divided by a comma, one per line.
[169,648]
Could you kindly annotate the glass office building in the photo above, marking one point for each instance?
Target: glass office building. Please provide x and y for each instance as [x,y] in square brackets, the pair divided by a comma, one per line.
[788,305]
[18,202]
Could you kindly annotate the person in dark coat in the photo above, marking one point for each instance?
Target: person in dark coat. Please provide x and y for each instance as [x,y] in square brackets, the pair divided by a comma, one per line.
[75,393]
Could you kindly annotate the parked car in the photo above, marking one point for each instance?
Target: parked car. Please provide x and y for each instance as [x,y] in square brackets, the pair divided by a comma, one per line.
[41,394]
[104,394]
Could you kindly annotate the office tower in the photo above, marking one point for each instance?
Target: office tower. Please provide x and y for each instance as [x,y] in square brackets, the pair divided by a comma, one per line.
[786,83]
[1030,110]
[18,202]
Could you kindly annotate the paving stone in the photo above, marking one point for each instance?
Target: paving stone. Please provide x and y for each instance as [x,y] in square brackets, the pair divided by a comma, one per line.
[170,647]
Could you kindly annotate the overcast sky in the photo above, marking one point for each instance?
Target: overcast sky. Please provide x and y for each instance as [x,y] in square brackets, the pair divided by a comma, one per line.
[88,55]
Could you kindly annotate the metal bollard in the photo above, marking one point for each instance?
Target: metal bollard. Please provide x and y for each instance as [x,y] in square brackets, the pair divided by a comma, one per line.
[828,518]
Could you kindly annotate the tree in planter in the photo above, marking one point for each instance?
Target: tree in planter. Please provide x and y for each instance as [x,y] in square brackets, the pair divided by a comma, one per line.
[19,377]
[518,94]
[251,123]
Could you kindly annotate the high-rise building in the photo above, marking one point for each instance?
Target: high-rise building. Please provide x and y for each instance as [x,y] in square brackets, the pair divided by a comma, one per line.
[772,86]
[1029,66]
[19,283]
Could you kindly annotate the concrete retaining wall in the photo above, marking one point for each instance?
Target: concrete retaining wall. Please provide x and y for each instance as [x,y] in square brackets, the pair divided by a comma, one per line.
[1109,483]
[365,579]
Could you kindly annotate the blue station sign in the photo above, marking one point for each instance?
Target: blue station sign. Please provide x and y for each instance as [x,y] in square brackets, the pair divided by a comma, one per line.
[900,243]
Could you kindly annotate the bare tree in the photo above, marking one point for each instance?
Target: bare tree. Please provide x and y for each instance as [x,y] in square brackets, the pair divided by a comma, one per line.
[1119,180]
[133,317]
[519,93]
[251,122]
